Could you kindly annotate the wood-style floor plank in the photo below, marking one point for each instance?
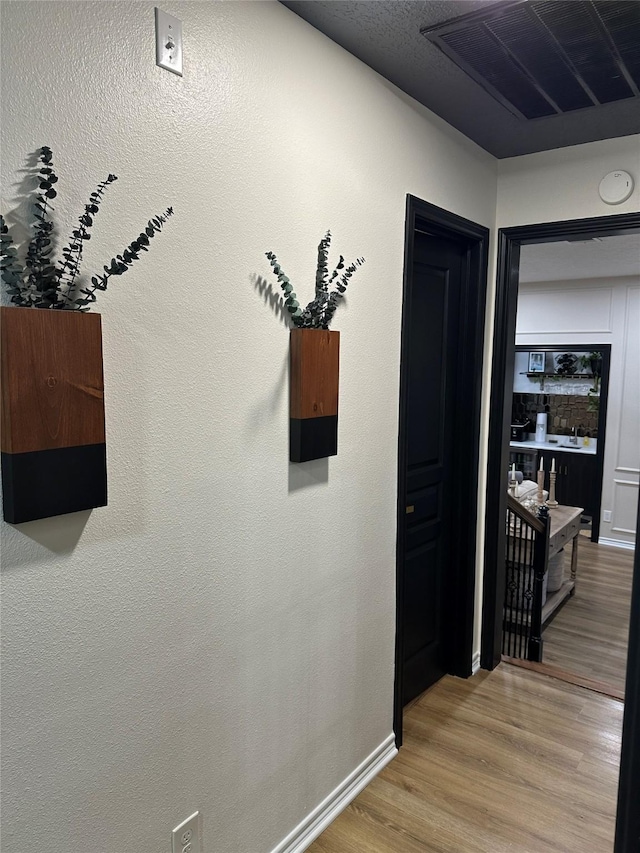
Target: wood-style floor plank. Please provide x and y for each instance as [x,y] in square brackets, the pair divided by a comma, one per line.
[505,762]
[589,634]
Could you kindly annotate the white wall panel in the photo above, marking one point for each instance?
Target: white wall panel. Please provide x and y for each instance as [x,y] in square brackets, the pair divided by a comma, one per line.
[563,312]
[625,507]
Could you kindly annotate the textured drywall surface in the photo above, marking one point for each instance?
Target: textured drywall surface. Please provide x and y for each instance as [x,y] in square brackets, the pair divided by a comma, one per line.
[563,184]
[221,636]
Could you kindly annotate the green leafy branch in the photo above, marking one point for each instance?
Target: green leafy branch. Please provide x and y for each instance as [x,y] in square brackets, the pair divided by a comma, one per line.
[341,287]
[39,288]
[69,267]
[121,263]
[319,312]
[40,283]
[290,298]
[10,268]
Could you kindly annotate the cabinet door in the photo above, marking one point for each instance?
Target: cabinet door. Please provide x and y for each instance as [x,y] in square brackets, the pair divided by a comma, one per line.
[575,479]
[580,482]
[524,461]
[564,493]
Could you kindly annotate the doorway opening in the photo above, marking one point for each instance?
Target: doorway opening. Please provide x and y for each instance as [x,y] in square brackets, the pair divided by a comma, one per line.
[443,317]
[510,243]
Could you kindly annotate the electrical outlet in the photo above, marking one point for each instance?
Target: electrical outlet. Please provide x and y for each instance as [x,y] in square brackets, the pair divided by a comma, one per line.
[169,47]
[187,836]
[606,515]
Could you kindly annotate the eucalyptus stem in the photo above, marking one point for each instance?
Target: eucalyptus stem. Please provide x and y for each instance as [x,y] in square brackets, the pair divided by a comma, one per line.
[319,312]
[41,284]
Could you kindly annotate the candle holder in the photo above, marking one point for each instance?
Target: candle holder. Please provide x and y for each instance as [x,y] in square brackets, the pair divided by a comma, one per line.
[552,502]
[513,485]
[540,495]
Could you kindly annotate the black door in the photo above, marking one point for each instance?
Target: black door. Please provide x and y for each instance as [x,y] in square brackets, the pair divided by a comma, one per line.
[433,329]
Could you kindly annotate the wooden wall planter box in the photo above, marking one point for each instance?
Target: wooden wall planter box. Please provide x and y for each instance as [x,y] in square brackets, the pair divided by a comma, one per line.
[315,358]
[53,433]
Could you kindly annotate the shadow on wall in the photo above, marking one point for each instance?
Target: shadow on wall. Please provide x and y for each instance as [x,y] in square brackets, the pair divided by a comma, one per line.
[21,217]
[304,474]
[59,534]
[267,406]
[272,298]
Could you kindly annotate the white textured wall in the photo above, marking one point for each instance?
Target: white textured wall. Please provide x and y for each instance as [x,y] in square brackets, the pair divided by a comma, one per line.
[592,311]
[563,184]
[221,635]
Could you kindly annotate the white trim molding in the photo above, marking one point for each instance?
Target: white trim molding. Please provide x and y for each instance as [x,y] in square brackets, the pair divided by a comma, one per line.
[617,543]
[475,663]
[615,528]
[585,332]
[319,819]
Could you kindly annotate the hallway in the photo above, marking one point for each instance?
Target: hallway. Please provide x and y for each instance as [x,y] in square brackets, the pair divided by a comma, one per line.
[505,761]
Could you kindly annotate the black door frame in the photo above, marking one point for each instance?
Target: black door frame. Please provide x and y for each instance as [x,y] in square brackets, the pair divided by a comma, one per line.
[628,816]
[422,216]
[508,266]
[605,349]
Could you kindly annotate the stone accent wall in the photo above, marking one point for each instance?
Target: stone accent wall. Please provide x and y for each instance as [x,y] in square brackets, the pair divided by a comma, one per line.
[564,413]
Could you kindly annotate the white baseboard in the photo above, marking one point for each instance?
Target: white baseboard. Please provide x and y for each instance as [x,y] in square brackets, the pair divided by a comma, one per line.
[475,663]
[617,543]
[306,832]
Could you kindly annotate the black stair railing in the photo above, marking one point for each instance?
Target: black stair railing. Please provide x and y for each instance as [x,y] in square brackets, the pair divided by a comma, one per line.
[527,551]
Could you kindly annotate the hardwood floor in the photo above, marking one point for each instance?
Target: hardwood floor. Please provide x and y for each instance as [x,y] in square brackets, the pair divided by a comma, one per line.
[588,636]
[505,761]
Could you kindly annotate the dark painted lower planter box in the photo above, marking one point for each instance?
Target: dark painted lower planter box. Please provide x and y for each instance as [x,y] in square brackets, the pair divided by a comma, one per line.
[315,359]
[53,431]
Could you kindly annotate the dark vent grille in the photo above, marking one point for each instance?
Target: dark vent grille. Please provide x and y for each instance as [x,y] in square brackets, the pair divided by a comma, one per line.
[535,47]
[622,20]
[480,51]
[544,57]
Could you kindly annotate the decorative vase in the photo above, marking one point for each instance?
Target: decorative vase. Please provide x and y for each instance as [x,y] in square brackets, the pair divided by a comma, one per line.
[53,431]
[313,409]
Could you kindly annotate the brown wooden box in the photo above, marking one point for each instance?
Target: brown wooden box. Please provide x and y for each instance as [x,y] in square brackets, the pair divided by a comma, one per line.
[53,429]
[314,378]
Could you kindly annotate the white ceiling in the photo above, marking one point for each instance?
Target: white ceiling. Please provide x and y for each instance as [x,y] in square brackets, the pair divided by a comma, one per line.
[605,257]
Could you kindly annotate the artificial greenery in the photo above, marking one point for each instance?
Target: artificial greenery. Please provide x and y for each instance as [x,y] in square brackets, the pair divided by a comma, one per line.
[592,360]
[40,283]
[319,312]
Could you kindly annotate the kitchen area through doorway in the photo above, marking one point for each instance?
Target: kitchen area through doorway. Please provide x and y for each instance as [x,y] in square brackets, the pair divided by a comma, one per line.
[574,447]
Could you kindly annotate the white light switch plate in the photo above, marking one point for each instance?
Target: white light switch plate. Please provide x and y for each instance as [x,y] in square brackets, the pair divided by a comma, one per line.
[168,42]
[187,836]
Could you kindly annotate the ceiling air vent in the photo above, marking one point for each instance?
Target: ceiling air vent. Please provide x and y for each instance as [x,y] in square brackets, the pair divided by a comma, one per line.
[544,57]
